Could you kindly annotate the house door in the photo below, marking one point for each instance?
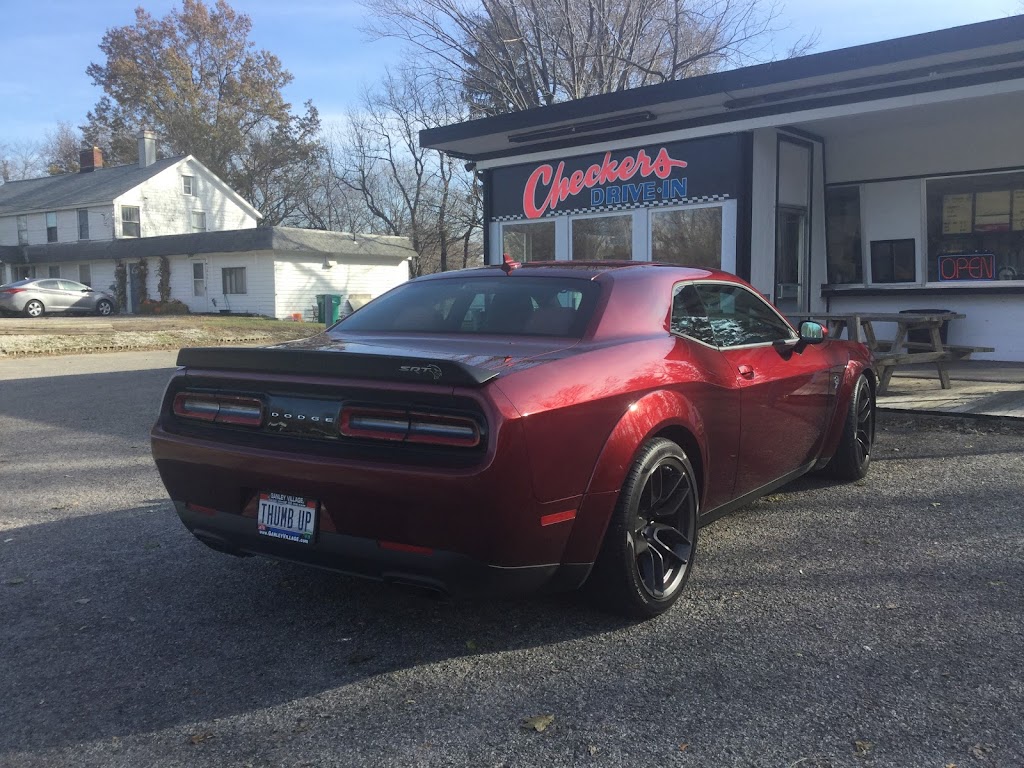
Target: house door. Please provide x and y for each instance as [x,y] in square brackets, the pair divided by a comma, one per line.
[791,292]
[136,288]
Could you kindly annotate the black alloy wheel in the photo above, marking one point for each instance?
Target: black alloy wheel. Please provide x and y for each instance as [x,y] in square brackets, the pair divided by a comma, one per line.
[649,548]
[853,456]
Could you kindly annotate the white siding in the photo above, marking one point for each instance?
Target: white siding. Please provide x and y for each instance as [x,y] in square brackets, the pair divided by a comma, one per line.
[298,281]
[933,139]
[165,209]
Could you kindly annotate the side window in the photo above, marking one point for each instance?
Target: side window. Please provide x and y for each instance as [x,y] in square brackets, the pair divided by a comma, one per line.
[689,317]
[739,317]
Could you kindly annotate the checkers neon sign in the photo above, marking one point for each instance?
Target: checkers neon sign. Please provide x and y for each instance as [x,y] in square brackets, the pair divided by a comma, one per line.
[610,182]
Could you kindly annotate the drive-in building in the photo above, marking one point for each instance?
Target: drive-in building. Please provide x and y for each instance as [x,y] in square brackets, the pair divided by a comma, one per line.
[877,178]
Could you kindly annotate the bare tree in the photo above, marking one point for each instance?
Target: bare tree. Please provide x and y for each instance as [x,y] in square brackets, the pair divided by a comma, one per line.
[21,160]
[510,55]
[61,149]
[406,189]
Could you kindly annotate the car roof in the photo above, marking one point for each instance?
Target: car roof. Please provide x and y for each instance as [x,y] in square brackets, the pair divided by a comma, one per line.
[615,270]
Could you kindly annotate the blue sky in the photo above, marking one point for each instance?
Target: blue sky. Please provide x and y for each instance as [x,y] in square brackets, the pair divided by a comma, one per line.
[45,47]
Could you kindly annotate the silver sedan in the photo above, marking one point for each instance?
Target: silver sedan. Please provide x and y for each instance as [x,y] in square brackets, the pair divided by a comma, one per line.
[36,297]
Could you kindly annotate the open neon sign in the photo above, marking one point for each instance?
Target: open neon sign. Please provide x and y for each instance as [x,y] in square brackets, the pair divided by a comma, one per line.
[967,266]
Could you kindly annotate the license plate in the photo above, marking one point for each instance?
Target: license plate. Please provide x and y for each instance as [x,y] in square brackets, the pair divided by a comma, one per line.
[287,517]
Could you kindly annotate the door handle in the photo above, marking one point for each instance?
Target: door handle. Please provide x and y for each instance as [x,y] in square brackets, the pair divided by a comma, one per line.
[746,371]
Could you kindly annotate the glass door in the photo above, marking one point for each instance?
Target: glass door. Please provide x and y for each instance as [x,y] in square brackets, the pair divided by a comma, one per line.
[792,257]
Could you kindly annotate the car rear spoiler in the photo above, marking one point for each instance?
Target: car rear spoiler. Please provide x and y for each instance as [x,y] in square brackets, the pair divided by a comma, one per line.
[342,364]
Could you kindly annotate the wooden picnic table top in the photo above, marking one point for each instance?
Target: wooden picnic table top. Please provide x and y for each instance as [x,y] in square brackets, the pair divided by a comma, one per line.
[905,318]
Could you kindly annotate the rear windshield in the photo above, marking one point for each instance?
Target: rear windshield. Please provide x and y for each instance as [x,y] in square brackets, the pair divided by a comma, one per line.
[509,306]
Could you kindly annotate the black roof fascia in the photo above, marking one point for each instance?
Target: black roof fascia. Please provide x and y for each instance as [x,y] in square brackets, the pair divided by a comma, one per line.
[882,53]
[746,114]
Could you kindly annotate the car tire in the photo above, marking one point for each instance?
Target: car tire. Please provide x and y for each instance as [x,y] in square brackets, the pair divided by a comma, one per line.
[104,308]
[34,308]
[647,554]
[853,456]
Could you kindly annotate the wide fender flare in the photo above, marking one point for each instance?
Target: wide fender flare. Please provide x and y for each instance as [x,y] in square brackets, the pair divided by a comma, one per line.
[648,416]
[854,368]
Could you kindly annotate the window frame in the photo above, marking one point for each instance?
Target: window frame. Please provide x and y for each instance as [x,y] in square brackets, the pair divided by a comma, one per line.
[51,229]
[630,214]
[188,185]
[137,221]
[83,218]
[794,337]
[199,282]
[193,217]
[53,268]
[85,270]
[225,279]
[22,224]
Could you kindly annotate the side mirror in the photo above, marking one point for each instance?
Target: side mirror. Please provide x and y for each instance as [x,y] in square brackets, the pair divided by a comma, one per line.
[812,333]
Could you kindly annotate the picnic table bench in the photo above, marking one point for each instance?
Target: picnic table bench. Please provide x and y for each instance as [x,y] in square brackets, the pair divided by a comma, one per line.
[890,354]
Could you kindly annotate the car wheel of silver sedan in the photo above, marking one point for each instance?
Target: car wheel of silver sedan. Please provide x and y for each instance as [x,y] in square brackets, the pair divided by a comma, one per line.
[34,308]
[104,307]
[649,548]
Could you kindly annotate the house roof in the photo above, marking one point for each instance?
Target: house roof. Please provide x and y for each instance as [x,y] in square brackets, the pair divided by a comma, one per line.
[973,54]
[74,190]
[314,243]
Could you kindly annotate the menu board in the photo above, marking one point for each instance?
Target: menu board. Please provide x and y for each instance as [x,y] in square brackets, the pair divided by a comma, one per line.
[957,212]
[1017,223]
[992,211]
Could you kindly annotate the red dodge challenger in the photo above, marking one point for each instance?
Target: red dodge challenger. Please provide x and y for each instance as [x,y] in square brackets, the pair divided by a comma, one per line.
[561,424]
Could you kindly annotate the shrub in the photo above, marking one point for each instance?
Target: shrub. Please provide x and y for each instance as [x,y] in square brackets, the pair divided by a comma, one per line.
[172,307]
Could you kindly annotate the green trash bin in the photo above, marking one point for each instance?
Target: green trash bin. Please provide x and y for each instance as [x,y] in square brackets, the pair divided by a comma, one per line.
[328,308]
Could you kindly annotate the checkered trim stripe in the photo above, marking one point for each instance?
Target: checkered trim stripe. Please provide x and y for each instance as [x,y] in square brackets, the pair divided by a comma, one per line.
[619,207]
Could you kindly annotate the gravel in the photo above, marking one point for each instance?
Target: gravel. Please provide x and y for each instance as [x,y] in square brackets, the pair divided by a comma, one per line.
[873,624]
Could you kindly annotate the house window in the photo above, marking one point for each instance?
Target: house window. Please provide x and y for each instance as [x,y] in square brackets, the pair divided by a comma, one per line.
[83,224]
[198,278]
[55,271]
[22,273]
[529,242]
[188,185]
[979,221]
[842,223]
[131,223]
[893,261]
[23,230]
[51,227]
[198,221]
[233,280]
[85,274]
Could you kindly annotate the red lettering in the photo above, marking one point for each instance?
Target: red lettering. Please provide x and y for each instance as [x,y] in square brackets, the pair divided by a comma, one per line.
[944,269]
[556,189]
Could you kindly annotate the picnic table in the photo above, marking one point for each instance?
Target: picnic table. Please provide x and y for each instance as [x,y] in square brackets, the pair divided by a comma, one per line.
[892,353]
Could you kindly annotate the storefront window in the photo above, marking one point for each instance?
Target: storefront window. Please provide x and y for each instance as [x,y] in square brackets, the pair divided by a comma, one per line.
[602,237]
[976,228]
[842,213]
[529,242]
[688,236]
[893,261]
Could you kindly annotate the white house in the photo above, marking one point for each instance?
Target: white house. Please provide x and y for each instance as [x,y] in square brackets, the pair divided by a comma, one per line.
[879,178]
[272,271]
[149,198]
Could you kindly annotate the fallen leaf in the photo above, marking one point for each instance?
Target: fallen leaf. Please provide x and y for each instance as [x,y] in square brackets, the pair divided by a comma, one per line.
[83,600]
[199,738]
[14,582]
[8,541]
[683,747]
[936,504]
[593,750]
[892,606]
[949,765]
[538,723]
[996,583]
[862,747]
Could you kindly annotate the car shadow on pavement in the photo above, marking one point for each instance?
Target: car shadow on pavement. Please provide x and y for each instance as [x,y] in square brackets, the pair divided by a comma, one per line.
[122,623]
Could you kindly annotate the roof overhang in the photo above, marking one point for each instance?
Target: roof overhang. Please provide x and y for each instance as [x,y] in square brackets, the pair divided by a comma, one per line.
[946,60]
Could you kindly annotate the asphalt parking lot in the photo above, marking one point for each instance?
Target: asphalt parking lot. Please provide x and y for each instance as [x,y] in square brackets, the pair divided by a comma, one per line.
[876,624]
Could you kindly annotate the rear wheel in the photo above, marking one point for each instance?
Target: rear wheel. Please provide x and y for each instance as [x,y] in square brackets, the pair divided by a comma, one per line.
[34,308]
[853,456]
[104,307]
[648,551]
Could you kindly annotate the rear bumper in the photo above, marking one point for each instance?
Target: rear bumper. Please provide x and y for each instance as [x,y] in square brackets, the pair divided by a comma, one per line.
[448,572]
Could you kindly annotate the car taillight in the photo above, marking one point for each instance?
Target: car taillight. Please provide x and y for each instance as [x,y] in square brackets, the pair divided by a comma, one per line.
[13,290]
[409,427]
[221,409]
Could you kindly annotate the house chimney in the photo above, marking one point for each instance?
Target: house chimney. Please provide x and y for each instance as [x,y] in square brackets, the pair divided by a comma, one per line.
[147,148]
[89,159]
